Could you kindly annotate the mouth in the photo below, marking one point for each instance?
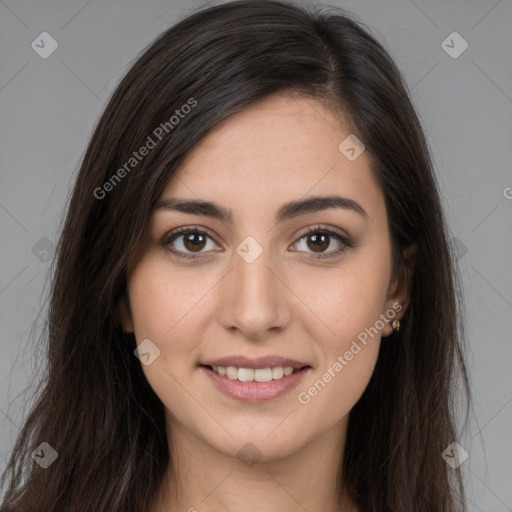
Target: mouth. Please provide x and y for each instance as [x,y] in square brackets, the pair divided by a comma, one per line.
[254,374]
[255,384]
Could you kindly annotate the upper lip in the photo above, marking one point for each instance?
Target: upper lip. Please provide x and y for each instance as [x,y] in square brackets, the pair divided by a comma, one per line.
[259,362]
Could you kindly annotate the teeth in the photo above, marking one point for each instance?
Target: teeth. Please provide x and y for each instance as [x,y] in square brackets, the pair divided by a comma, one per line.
[254,374]
[261,374]
[277,372]
[232,372]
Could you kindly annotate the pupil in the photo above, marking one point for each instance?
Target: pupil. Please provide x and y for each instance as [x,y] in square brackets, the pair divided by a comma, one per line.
[195,240]
[194,244]
[322,239]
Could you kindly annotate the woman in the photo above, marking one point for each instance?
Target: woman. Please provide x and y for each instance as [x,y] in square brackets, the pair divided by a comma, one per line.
[254,305]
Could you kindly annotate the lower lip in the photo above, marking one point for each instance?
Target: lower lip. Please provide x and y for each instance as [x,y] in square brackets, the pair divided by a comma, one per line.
[255,391]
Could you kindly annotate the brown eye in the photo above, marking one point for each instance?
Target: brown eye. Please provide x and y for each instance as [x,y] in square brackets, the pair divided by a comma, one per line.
[188,243]
[319,243]
[191,243]
[319,239]
[194,241]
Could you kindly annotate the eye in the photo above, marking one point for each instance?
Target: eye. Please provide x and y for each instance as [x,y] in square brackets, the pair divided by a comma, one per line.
[190,239]
[319,238]
[189,242]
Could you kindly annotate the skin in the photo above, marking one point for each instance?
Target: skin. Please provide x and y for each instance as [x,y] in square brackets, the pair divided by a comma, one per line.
[282,148]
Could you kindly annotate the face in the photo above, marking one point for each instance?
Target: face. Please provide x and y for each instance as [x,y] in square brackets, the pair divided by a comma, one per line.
[296,287]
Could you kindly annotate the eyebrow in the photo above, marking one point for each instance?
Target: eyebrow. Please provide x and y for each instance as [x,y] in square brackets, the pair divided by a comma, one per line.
[286,211]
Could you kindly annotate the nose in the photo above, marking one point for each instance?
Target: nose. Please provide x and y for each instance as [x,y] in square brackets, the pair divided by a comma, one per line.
[253,298]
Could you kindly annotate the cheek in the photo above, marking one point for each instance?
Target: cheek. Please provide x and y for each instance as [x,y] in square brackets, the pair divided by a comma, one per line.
[349,303]
[346,368]
[169,307]
[162,305]
[347,379]
[162,299]
[345,300]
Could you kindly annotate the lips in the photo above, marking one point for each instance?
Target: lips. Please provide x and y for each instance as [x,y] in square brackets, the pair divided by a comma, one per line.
[259,362]
[254,392]
[255,379]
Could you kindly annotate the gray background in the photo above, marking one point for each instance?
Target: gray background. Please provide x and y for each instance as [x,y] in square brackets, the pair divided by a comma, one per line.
[49,107]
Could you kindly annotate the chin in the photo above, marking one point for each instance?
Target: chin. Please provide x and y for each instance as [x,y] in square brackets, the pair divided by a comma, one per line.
[259,444]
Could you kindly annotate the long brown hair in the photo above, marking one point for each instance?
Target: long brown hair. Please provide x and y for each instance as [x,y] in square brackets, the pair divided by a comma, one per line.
[95,408]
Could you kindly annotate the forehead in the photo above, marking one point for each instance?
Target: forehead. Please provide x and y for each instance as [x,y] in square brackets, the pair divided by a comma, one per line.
[279,148]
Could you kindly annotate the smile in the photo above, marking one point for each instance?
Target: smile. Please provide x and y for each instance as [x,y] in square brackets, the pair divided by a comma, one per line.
[255,384]
[254,374]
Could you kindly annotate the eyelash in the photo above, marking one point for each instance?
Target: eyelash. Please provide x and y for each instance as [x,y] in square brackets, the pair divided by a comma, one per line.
[173,235]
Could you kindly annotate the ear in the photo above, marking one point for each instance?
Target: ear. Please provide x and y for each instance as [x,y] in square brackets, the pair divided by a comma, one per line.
[124,315]
[400,288]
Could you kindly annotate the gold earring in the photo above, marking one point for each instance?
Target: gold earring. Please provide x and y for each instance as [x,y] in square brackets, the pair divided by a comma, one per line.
[396,325]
